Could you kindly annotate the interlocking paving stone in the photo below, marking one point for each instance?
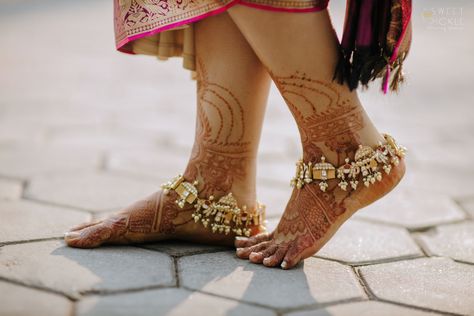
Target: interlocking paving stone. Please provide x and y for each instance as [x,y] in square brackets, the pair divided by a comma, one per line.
[170,302]
[275,199]
[469,207]
[182,248]
[53,265]
[12,132]
[278,145]
[280,170]
[101,137]
[160,166]
[19,300]
[434,283]
[358,242]
[456,157]
[442,181]
[413,209]
[367,308]
[10,189]
[314,282]
[454,240]
[25,220]
[272,224]
[26,161]
[91,191]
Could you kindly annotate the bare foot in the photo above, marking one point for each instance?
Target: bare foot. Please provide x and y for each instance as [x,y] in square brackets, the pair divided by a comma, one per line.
[311,218]
[154,218]
[332,124]
[223,160]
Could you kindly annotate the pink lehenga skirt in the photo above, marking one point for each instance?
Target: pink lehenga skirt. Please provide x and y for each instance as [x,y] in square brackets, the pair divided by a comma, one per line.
[164,28]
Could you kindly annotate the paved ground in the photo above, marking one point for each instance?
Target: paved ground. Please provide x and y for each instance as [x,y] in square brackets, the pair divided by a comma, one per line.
[84,130]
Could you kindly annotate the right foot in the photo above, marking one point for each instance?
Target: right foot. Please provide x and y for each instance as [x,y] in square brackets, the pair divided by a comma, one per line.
[311,218]
[333,124]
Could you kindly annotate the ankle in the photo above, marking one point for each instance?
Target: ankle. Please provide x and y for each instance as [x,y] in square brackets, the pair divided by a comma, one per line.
[365,166]
[222,178]
[337,149]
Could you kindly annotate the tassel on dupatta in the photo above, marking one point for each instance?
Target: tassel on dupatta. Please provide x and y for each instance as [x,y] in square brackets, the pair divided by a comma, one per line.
[371,46]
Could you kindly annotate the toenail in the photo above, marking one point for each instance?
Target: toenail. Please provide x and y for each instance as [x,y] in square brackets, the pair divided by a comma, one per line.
[71,235]
[239,238]
[284,264]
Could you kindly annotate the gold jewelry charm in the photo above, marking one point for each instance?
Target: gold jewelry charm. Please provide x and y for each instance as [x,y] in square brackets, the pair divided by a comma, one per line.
[221,216]
[367,167]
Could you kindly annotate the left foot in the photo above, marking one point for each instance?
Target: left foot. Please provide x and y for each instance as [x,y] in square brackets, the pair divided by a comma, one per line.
[311,218]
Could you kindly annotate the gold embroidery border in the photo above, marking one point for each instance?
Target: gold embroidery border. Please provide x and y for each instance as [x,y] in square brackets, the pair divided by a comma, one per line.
[134,31]
[123,32]
[290,4]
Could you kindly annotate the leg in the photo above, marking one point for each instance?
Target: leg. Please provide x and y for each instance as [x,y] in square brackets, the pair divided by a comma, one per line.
[300,52]
[232,89]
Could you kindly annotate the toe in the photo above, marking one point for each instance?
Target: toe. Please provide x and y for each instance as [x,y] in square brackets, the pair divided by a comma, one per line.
[84,225]
[89,237]
[277,257]
[241,242]
[292,257]
[244,253]
[257,257]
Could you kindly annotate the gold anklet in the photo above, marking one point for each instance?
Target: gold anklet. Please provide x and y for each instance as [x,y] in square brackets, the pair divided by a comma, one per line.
[367,166]
[222,216]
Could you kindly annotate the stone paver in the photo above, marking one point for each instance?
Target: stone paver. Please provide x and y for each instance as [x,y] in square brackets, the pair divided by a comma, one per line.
[434,283]
[24,220]
[100,138]
[469,207]
[181,248]
[26,161]
[18,300]
[52,265]
[10,189]
[272,223]
[442,181]
[367,308]
[358,242]
[170,302]
[91,191]
[159,166]
[455,241]
[413,209]
[275,198]
[458,154]
[316,282]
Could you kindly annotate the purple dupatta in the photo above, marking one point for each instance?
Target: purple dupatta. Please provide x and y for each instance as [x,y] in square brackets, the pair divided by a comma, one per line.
[375,42]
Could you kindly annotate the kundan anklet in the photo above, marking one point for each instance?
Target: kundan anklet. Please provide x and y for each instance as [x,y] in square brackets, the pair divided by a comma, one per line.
[221,216]
[367,167]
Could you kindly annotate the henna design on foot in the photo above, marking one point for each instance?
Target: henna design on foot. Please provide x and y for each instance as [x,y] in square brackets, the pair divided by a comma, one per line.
[220,157]
[330,125]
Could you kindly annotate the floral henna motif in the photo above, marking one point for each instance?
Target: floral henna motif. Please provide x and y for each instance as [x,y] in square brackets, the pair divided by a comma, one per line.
[308,216]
